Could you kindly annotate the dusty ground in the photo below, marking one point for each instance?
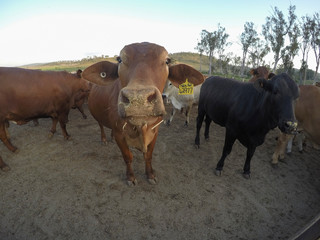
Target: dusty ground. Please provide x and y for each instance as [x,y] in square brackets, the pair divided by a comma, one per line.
[76,189]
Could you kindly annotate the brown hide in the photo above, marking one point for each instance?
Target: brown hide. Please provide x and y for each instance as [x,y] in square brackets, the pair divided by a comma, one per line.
[259,72]
[29,94]
[129,101]
[307,113]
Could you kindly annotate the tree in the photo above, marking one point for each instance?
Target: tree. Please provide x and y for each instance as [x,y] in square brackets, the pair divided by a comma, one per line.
[221,37]
[212,42]
[276,29]
[306,29]
[209,44]
[257,52]
[291,50]
[201,47]
[315,41]
[248,39]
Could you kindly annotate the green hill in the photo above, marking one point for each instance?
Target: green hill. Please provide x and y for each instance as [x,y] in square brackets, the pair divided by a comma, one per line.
[192,59]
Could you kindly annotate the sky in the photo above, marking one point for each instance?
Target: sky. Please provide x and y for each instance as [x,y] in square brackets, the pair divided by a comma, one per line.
[39,31]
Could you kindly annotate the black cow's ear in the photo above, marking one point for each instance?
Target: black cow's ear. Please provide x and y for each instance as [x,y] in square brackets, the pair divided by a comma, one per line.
[262,83]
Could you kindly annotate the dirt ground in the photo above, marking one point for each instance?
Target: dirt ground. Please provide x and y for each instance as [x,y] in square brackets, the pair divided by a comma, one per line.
[76,189]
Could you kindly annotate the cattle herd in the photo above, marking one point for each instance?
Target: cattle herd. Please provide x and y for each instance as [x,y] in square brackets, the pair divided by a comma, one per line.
[127,98]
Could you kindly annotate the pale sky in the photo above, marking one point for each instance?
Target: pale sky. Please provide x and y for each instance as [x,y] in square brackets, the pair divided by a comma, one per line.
[37,31]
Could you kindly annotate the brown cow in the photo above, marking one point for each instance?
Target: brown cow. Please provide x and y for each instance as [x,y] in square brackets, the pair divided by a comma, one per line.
[130,101]
[260,72]
[29,94]
[307,112]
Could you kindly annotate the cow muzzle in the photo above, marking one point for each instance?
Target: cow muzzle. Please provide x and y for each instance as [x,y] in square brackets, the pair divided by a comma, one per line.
[140,105]
[289,127]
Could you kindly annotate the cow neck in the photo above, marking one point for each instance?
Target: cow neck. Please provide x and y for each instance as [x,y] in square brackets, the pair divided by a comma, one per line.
[269,110]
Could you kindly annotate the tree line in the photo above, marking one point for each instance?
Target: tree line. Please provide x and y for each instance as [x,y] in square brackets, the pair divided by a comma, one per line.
[283,36]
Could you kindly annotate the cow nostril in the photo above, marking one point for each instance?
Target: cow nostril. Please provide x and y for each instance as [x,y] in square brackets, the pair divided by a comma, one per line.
[124,99]
[152,97]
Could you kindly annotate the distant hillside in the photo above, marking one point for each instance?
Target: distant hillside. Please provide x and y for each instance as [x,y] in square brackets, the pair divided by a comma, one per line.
[192,59]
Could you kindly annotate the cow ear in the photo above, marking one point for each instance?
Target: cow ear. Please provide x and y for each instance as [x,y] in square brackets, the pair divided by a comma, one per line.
[253,72]
[101,73]
[180,72]
[271,75]
[79,72]
[262,83]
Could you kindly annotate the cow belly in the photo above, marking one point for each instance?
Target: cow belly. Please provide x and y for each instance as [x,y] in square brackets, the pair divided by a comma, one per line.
[178,104]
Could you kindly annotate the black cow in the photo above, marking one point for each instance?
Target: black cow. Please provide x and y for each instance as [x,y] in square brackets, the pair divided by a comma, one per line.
[247,110]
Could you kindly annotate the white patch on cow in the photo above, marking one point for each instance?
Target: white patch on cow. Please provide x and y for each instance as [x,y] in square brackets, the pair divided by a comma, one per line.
[177,104]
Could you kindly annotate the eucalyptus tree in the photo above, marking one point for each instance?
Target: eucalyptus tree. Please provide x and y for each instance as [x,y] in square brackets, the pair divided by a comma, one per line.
[212,42]
[248,38]
[306,30]
[257,53]
[315,41]
[275,31]
[291,50]
[201,48]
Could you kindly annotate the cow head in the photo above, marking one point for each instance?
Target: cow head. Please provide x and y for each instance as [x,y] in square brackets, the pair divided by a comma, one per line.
[259,72]
[142,71]
[283,91]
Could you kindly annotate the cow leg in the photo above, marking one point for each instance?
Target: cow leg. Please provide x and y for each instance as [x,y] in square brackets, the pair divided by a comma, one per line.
[84,116]
[53,127]
[35,122]
[4,138]
[103,135]
[208,122]
[171,116]
[127,157]
[246,168]
[188,109]
[6,126]
[279,152]
[300,137]
[200,117]
[3,166]
[63,119]
[228,143]
[148,159]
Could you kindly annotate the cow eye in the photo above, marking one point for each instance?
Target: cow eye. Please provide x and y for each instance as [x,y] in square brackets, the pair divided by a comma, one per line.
[168,61]
[119,59]
[103,74]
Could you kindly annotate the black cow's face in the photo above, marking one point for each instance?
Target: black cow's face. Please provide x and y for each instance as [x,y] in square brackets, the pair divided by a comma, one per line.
[284,92]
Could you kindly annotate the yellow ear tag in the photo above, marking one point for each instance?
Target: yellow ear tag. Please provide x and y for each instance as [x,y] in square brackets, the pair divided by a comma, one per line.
[186,88]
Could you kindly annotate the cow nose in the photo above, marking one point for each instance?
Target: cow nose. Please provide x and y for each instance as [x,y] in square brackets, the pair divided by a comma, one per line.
[146,101]
[290,127]
[138,96]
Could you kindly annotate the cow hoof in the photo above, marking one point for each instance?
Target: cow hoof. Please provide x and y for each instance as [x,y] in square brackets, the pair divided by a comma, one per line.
[153,181]
[67,137]
[133,182]
[218,172]
[5,168]
[50,135]
[197,146]
[246,175]
[300,151]
[275,165]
